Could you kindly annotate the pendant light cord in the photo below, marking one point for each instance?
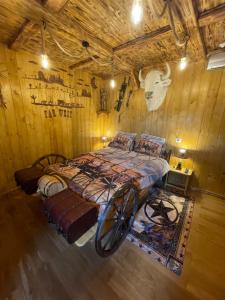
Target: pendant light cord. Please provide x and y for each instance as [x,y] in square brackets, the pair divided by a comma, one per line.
[43,27]
[60,47]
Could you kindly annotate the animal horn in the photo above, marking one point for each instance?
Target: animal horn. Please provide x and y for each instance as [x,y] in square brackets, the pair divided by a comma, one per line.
[140,76]
[168,72]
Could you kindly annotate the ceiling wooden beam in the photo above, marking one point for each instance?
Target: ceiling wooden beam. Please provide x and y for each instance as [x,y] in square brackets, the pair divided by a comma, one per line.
[157,34]
[23,35]
[55,5]
[150,36]
[213,15]
[28,28]
[193,16]
[87,62]
[35,12]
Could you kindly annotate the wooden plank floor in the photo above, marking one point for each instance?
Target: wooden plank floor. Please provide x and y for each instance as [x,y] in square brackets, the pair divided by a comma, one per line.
[36,263]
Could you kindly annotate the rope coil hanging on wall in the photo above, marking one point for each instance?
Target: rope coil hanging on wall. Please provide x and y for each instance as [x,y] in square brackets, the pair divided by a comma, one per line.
[173,11]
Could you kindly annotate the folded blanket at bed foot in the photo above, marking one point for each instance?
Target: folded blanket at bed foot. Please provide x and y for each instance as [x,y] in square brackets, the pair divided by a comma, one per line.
[49,185]
[71,214]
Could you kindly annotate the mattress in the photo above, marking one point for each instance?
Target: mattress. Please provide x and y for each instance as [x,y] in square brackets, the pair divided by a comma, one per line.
[97,175]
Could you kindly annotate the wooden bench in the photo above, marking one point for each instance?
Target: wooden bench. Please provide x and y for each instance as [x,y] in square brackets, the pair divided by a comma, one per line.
[72,214]
[28,178]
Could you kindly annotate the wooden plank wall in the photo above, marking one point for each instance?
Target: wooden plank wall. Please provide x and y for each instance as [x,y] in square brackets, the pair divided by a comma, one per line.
[88,126]
[25,132]
[194,109]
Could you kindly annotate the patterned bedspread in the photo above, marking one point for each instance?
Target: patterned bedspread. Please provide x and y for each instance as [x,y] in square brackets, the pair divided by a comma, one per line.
[97,175]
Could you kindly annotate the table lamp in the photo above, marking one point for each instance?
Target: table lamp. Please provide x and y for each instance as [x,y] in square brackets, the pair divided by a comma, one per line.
[105,139]
[182,154]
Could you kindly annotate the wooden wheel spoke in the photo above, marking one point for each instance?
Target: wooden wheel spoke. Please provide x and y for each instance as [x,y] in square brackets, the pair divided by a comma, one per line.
[125,225]
[118,207]
[42,166]
[116,221]
[114,235]
[111,239]
[122,193]
[111,219]
[102,192]
[127,202]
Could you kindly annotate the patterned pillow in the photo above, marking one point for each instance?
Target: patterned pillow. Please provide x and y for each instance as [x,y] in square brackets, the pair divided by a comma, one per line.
[123,140]
[149,144]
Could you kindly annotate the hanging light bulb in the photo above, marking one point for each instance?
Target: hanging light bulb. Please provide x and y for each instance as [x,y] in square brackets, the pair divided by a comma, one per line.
[183,63]
[137,11]
[44,56]
[44,61]
[112,83]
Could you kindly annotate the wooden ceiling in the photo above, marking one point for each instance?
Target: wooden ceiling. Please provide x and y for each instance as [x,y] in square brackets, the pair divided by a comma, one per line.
[106,25]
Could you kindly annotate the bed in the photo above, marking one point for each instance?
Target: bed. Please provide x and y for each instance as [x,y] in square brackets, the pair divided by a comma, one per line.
[97,175]
[117,181]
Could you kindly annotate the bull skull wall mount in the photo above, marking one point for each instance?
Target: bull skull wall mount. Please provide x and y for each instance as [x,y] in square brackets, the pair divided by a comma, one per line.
[155,85]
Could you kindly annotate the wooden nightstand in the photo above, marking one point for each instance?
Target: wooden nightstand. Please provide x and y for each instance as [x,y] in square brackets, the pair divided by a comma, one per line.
[178,179]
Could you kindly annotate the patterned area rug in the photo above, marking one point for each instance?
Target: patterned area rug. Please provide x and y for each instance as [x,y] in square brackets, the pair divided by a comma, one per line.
[162,227]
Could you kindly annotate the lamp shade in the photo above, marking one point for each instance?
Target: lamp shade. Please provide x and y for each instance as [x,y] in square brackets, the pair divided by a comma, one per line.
[182,153]
[104,139]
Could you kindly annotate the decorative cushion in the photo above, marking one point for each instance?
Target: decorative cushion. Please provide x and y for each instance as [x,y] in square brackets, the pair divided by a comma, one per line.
[50,185]
[123,140]
[150,145]
[28,178]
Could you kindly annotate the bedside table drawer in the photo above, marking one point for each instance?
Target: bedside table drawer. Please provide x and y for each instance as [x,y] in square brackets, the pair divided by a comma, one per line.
[176,179]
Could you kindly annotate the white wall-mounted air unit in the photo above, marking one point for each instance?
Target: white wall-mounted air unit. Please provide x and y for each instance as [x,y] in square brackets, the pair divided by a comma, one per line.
[216,61]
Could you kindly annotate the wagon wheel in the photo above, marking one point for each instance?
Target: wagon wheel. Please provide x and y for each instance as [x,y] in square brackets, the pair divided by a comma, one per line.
[48,160]
[116,221]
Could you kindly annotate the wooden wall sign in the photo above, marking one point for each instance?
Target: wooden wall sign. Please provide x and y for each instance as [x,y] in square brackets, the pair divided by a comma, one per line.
[51,82]
[52,113]
[54,89]
[59,103]
[51,79]
[61,108]
[57,96]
